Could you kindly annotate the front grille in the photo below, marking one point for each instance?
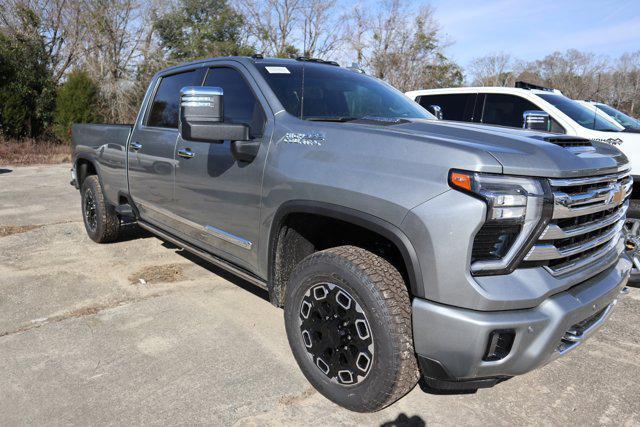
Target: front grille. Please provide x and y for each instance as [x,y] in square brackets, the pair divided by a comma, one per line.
[588,216]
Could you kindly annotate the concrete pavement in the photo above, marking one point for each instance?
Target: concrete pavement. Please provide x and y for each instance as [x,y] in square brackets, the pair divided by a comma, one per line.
[84,341]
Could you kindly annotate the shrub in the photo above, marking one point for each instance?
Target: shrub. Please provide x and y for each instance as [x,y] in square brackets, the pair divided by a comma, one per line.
[76,103]
[26,88]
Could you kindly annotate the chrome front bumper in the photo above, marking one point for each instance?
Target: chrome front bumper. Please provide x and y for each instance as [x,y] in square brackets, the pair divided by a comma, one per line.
[457,339]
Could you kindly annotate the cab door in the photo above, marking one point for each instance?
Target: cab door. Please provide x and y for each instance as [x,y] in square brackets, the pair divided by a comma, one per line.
[152,146]
[217,196]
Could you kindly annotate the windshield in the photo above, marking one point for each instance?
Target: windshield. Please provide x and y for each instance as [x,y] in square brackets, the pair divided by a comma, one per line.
[313,91]
[579,113]
[627,121]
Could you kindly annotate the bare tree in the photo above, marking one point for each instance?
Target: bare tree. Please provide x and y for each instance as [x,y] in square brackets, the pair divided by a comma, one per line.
[58,24]
[111,51]
[321,34]
[272,23]
[493,70]
[358,25]
[625,83]
[407,49]
[577,74]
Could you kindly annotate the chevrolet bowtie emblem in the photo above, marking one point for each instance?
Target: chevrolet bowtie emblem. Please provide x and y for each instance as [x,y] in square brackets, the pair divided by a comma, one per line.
[618,196]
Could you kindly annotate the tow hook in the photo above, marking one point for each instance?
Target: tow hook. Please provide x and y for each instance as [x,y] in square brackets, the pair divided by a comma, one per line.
[624,291]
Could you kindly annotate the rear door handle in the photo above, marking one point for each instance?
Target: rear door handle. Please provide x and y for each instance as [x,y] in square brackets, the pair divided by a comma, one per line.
[186,153]
[135,146]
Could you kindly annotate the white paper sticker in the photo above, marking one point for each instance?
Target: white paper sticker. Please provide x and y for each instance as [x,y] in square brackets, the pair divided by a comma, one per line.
[277,70]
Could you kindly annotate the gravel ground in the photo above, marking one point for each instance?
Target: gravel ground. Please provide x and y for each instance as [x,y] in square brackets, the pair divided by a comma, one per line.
[85,341]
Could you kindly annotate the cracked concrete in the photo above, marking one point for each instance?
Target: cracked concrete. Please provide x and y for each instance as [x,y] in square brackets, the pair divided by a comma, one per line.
[83,346]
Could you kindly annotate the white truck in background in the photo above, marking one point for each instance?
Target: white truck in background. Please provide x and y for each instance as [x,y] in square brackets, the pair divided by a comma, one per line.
[626,122]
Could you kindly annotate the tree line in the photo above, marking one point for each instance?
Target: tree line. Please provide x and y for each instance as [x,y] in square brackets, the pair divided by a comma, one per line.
[66,61]
[579,75]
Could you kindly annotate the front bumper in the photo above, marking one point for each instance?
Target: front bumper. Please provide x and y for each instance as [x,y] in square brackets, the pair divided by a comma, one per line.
[451,342]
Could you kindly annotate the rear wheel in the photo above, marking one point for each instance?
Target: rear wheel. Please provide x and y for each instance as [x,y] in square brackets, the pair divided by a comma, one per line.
[100,219]
[348,321]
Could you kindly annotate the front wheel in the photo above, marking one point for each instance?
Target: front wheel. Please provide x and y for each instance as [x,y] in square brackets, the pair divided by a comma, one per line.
[348,321]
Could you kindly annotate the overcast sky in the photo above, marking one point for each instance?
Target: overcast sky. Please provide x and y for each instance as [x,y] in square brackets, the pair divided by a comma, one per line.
[532,29]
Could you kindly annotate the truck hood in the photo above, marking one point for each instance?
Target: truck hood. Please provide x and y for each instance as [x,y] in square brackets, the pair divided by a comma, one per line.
[520,152]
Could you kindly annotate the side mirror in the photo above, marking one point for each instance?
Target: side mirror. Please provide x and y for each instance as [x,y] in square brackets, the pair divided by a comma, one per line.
[202,116]
[536,120]
[436,110]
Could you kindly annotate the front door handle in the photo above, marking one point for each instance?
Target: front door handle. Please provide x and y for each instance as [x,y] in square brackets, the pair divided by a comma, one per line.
[186,153]
[135,146]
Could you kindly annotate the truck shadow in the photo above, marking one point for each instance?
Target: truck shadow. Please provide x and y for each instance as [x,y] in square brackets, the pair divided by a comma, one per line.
[241,283]
[429,390]
[405,421]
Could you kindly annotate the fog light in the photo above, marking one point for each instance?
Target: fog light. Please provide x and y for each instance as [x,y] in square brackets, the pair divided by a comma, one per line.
[499,345]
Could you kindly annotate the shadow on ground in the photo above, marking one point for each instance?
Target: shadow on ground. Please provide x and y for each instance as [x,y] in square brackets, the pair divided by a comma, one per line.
[247,286]
[2,170]
[405,421]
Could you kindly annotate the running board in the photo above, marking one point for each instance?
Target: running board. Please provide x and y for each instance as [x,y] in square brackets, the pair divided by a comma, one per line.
[204,255]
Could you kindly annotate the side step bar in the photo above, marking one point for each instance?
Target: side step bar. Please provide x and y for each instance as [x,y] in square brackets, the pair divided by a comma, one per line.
[205,255]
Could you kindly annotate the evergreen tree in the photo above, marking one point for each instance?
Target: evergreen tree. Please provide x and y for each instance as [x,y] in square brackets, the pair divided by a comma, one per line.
[76,103]
[202,29]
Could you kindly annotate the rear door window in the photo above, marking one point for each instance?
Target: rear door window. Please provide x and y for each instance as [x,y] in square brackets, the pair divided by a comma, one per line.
[458,106]
[508,110]
[166,102]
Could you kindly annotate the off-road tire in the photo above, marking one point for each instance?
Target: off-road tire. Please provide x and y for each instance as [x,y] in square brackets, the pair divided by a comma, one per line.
[382,294]
[105,225]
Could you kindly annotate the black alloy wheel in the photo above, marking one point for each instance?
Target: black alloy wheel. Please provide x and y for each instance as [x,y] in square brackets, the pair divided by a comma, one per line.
[336,334]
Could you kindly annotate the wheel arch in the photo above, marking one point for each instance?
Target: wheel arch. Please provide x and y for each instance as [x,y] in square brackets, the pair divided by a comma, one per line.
[349,216]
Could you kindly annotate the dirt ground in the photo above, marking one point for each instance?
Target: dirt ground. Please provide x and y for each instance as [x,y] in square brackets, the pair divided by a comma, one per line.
[138,332]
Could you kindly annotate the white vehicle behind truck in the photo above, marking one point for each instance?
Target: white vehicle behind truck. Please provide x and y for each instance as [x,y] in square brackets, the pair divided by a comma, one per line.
[625,121]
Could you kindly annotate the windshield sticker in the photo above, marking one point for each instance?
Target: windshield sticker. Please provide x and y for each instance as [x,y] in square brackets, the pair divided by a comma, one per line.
[277,70]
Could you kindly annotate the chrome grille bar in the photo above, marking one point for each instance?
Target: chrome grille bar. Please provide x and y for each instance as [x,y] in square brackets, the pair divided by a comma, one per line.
[572,182]
[606,251]
[591,201]
[554,231]
[546,251]
[586,224]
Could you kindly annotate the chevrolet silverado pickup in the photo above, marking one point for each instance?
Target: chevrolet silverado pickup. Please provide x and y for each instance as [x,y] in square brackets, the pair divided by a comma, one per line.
[399,246]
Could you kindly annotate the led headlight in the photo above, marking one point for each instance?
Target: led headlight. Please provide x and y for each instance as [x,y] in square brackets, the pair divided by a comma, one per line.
[515,208]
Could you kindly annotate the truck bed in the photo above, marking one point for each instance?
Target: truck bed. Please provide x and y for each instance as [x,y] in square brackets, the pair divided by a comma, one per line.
[106,146]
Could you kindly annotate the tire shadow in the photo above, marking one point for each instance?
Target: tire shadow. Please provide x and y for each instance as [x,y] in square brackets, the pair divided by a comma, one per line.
[230,277]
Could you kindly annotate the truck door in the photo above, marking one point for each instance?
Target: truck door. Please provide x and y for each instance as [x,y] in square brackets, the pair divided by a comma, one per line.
[152,146]
[218,197]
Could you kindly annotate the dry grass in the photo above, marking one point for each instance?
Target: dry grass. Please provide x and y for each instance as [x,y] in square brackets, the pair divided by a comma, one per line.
[33,152]
[8,230]
[158,274]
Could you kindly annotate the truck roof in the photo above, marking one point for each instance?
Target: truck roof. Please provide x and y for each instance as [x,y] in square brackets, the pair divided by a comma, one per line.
[480,89]
[252,60]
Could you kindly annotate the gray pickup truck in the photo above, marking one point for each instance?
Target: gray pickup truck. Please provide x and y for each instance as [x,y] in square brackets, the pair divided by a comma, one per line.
[399,245]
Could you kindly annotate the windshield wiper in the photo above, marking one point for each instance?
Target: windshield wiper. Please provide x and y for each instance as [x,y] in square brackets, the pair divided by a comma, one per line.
[332,119]
[342,119]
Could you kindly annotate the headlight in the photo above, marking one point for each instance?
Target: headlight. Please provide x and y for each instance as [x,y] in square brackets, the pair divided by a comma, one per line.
[515,215]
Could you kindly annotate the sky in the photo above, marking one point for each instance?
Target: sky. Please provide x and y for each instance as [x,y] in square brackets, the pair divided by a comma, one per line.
[530,30]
